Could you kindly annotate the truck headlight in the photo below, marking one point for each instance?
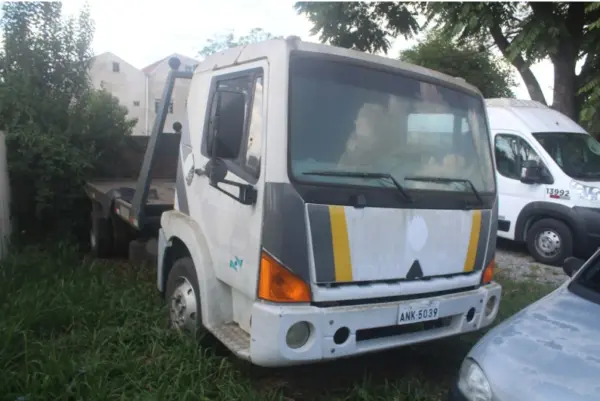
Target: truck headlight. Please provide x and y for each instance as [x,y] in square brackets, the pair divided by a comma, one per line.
[473,383]
[586,192]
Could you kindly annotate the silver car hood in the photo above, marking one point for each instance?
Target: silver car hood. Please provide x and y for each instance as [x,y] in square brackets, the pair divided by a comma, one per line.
[549,351]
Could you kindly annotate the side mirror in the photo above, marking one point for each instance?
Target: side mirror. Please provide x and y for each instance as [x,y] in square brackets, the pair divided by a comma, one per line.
[227,125]
[571,265]
[216,170]
[532,172]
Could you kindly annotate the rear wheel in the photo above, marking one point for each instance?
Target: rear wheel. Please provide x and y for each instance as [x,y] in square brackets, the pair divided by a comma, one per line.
[121,237]
[100,237]
[550,241]
[183,297]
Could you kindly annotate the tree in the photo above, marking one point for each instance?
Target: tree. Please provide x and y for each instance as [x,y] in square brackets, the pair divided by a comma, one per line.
[361,26]
[477,66]
[528,32]
[524,33]
[56,125]
[590,92]
[228,40]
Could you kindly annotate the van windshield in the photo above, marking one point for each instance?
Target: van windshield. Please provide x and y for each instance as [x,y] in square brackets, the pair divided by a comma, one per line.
[577,154]
[345,118]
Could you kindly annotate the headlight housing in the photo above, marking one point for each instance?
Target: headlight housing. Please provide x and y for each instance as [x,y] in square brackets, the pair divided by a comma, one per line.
[473,383]
[585,192]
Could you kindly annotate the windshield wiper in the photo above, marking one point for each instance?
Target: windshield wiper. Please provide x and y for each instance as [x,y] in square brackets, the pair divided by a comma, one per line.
[361,174]
[447,180]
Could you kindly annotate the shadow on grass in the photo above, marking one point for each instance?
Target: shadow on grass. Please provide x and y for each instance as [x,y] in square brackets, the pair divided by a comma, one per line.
[74,329]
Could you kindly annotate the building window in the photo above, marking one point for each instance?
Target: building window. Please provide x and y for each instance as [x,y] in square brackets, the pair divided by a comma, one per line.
[136,103]
[189,68]
[116,67]
[157,106]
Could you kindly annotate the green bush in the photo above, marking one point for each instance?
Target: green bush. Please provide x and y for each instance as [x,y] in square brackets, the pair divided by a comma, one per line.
[57,126]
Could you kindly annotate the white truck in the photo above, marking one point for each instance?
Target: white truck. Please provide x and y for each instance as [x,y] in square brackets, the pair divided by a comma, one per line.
[311,216]
[548,170]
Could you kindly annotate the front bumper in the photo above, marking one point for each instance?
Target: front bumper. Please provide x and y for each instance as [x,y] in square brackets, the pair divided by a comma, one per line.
[372,327]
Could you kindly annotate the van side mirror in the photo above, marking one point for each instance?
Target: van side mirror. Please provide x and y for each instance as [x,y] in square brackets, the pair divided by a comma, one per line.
[530,172]
[571,265]
[227,125]
[533,172]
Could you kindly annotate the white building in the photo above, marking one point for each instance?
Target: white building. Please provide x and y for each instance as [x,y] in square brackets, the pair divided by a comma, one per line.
[140,90]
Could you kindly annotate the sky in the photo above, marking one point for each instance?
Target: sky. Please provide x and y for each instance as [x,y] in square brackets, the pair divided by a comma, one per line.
[142,32]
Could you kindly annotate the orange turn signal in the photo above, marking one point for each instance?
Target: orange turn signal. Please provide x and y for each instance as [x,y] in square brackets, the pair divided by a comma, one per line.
[278,284]
[488,272]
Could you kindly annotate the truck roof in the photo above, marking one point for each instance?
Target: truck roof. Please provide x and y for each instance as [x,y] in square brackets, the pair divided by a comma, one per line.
[274,48]
[527,116]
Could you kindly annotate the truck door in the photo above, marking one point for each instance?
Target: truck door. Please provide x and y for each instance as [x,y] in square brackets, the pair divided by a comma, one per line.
[511,150]
[232,229]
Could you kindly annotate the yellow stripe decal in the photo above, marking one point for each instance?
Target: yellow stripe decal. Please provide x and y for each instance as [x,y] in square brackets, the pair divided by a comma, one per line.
[341,244]
[473,241]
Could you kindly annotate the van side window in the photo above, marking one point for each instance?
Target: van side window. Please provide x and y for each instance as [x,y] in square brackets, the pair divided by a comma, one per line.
[511,151]
[224,91]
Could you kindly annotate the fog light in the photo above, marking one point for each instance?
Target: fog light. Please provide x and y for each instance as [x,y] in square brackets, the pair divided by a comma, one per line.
[297,335]
[490,305]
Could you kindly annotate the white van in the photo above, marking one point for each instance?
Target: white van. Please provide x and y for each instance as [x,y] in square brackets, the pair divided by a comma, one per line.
[548,174]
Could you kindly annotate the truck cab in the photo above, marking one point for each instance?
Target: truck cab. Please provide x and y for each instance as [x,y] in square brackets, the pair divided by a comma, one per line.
[316,216]
[548,180]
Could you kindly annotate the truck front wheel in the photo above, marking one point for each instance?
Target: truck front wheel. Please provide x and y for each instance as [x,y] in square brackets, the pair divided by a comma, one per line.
[550,241]
[183,297]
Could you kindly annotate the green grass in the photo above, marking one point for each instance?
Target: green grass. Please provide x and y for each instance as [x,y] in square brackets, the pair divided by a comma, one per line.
[73,329]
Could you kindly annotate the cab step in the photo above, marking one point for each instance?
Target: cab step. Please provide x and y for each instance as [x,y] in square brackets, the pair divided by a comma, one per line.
[234,338]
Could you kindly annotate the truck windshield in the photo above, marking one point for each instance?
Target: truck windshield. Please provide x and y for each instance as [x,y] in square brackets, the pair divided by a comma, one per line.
[577,154]
[345,117]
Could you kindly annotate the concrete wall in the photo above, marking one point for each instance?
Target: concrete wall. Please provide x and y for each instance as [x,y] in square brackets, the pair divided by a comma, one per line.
[128,84]
[4,198]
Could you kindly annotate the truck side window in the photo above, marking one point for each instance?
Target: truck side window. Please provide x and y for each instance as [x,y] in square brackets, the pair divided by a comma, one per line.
[253,148]
[511,151]
[228,87]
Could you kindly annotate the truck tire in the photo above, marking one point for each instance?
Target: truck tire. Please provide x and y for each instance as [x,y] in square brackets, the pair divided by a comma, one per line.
[550,241]
[121,237]
[183,298]
[100,237]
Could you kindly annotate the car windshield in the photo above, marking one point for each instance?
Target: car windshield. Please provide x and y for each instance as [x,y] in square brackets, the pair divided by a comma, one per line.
[349,118]
[577,154]
[587,284]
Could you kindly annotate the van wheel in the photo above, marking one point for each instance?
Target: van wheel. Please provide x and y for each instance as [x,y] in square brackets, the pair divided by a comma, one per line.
[550,241]
[183,297]
[100,237]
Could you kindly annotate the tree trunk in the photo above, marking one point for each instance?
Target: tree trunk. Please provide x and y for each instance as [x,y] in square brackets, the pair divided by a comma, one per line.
[565,88]
[531,82]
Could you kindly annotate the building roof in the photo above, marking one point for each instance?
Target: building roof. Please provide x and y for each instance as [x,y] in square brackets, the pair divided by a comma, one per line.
[149,68]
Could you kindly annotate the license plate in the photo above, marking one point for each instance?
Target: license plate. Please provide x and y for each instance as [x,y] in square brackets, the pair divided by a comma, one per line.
[418,312]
